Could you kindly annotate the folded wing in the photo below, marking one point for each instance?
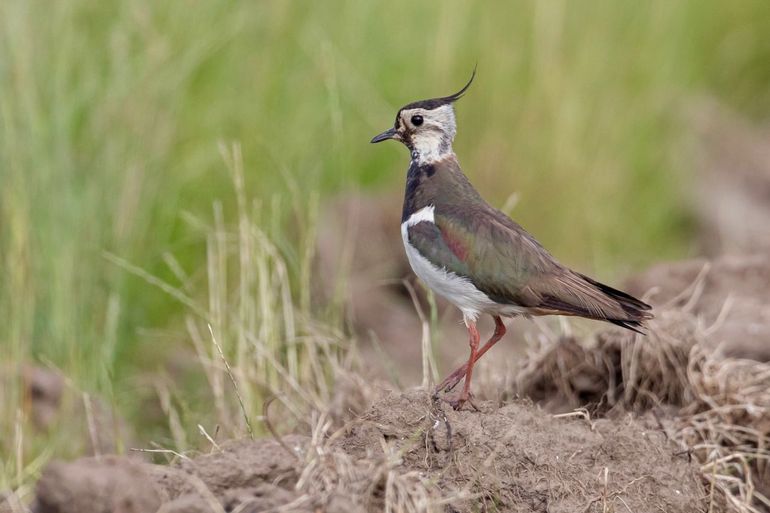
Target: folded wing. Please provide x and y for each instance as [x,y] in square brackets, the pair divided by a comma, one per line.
[506,263]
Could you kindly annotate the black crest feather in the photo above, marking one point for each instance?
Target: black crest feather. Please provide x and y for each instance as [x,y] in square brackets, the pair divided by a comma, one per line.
[435,103]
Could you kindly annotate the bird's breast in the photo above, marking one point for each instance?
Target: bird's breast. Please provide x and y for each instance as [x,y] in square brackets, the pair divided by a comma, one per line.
[458,290]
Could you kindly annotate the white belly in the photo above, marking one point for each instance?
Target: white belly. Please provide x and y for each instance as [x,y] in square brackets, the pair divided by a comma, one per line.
[456,289]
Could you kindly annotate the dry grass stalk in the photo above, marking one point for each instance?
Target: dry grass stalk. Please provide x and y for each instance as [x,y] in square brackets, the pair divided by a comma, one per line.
[728,427]
[266,342]
[429,367]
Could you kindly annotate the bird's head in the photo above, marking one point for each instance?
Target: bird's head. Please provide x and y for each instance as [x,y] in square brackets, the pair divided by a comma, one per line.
[426,127]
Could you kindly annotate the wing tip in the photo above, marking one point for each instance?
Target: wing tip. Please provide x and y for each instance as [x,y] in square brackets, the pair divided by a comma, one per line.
[637,326]
[625,299]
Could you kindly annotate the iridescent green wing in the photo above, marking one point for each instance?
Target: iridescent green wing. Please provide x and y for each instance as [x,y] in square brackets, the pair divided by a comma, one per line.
[497,256]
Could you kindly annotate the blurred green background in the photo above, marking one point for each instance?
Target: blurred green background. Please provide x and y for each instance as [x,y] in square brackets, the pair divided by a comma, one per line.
[111,112]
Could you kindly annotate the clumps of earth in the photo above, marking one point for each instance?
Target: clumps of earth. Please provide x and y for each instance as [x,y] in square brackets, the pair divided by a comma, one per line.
[671,422]
[407,454]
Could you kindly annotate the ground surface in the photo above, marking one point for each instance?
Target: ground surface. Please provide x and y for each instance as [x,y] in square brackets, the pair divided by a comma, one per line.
[510,458]
[676,421]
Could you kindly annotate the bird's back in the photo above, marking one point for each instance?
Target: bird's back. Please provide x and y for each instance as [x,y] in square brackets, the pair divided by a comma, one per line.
[473,240]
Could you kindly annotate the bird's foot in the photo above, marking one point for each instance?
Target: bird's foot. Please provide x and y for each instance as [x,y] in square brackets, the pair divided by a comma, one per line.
[457,401]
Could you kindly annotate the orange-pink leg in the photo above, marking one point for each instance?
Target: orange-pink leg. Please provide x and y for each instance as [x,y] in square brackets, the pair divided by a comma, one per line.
[466,369]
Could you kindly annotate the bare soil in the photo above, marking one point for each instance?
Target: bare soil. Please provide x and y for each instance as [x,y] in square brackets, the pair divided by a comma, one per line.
[514,457]
[518,458]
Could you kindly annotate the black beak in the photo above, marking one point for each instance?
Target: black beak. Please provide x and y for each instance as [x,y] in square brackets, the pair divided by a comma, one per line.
[384,136]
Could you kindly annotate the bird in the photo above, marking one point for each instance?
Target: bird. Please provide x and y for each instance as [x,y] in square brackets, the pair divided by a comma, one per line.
[477,257]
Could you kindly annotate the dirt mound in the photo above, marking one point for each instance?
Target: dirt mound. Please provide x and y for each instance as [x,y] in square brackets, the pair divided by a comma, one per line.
[703,417]
[732,192]
[519,458]
[249,475]
[107,484]
[44,396]
[398,455]
[730,295]
[701,373]
[618,370]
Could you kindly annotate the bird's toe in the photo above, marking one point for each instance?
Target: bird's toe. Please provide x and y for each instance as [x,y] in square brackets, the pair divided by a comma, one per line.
[457,401]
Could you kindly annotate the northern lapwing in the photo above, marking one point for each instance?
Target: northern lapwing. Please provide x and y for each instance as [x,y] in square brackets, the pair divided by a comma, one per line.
[476,256]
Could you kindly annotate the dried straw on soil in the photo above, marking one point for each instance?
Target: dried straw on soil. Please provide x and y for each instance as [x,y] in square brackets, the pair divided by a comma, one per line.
[396,457]
[705,420]
[716,408]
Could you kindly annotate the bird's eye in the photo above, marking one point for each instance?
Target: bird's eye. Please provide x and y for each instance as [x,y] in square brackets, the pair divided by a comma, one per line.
[417,120]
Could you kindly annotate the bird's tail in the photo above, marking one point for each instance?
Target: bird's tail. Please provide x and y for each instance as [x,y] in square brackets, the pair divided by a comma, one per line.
[585,297]
[636,311]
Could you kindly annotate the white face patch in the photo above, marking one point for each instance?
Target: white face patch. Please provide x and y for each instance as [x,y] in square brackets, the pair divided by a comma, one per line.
[432,140]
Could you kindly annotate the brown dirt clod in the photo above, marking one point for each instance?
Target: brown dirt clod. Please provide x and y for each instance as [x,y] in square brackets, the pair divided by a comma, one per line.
[110,484]
[520,458]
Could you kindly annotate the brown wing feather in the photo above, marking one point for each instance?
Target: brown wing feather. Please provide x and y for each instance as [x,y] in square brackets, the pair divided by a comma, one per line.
[555,289]
[572,293]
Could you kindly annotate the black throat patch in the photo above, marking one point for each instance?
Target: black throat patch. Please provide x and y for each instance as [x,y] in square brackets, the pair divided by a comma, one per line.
[415,177]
